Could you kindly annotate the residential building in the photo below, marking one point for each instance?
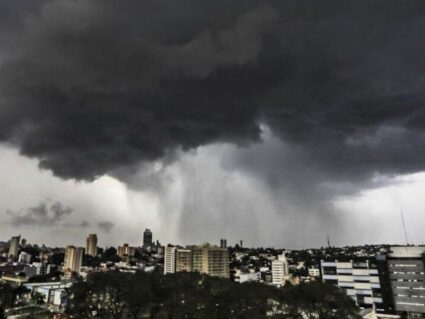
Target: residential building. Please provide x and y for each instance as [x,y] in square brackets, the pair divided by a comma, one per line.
[211,260]
[24,258]
[170,260]
[14,246]
[91,245]
[183,260]
[360,280]
[73,259]
[314,272]
[279,270]
[147,238]
[242,277]
[406,273]
[206,259]
[37,269]
[126,251]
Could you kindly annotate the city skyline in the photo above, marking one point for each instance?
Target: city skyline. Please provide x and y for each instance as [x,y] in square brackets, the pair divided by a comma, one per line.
[278,124]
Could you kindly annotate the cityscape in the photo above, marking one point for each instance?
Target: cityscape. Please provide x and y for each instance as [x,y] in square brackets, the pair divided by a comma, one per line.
[212,159]
[382,281]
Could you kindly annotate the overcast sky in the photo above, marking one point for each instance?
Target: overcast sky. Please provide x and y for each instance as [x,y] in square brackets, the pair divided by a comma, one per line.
[275,122]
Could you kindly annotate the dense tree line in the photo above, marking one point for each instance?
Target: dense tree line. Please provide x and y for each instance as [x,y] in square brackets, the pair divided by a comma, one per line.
[116,295]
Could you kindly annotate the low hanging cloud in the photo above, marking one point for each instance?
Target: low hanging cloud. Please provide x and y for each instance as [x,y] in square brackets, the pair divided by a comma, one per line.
[105,226]
[46,214]
[81,224]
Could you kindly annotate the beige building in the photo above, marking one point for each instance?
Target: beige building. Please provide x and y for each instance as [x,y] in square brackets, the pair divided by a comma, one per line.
[205,259]
[91,245]
[184,260]
[126,251]
[73,259]
[211,260]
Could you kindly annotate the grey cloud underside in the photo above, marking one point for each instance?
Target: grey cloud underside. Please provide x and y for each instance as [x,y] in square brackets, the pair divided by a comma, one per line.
[91,87]
[105,226]
[46,214]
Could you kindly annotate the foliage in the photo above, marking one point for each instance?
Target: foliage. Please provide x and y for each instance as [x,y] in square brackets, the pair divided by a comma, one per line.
[53,276]
[110,254]
[38,298]
[7,295]
[116,295]
[57,258]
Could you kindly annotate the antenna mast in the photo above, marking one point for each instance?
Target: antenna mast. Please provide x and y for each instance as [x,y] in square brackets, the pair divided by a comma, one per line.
[404,227]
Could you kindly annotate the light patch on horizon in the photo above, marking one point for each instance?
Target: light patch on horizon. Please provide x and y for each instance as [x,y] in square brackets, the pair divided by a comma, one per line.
[379,210]
[228,202]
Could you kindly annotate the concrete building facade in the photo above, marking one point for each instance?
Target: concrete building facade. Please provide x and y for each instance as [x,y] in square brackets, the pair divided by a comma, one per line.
[205,259]
[91,245]
[280,270]
[73,259]
[360,280]
[170,260]
[14,247]
[407,275]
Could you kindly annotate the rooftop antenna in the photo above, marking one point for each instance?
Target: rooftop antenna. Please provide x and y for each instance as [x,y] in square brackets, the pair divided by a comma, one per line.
[404,227]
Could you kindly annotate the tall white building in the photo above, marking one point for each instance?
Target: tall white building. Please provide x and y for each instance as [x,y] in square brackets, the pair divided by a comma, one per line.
[14,246]
[73,259]
[170,260]
[279,270]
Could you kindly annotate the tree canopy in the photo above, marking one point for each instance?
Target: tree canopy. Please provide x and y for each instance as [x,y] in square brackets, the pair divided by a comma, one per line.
[116,295]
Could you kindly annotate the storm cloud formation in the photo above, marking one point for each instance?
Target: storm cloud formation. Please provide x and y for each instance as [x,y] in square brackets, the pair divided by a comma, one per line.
[46,214]
[91,87]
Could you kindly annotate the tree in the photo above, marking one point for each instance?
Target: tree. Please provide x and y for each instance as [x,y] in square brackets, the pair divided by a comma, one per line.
[110,254]
[193,295]
[7,295]
[318,300]
[101,295]
[38,298]
[138,294]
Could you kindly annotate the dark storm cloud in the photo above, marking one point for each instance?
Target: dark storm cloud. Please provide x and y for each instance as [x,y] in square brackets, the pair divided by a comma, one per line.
[93,87]
[46,214]
[81,224]
[105,226]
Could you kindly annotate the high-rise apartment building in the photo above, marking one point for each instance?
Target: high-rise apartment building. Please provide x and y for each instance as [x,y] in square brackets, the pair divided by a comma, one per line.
[126,251]
[147,238]
[170,260]
[211,260]
[360,279]
[407,276]
[73,259]
[206,259]
[183,260]
[14,246]
[279,270]
[91,245]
